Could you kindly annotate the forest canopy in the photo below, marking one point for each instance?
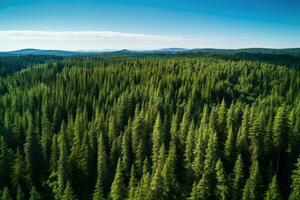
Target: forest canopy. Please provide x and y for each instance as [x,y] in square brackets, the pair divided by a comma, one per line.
[150,127]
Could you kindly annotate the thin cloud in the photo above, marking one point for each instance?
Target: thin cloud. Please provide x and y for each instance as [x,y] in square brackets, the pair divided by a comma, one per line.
[97,40]
[82,35]
[74,40]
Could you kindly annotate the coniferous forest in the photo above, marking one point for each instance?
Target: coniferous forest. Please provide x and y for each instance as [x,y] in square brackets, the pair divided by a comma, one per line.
[150,127]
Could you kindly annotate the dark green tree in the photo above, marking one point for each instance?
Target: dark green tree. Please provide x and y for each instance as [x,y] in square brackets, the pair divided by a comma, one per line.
[273,192]
[117,188]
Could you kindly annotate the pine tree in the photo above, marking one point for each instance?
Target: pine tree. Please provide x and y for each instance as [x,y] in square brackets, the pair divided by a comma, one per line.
[280,140]
[184,127]
[117,187]
[45,136]
[169,174]
[295,185]
[63,161]
[85,162]
[222,191]
[34,195]
[194,194]
[32,152]
[5,161]
[126,157]
[256,138]
[222,118]
[157,140]
[54,154]
[132,183]
[190,145]
[98,191]
[230,145]
[157,185]
[20,195]
[242,142]
[6,194]
[280,129]
[189,157]
[143,190]
[138,142]
[200,152]
[273,192]
[68,193]
[238,178]
[18,176]
[252,189]
[102,166]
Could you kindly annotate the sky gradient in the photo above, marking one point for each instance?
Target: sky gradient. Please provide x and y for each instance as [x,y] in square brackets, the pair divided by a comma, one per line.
[148,24]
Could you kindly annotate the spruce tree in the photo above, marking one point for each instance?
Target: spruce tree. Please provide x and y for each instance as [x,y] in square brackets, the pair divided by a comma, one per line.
[102,167]
[34,195]
[222,190]
[98,193]
[238,178]
[280,140]
[157,140]
[20,195]
[252,189]
[117,187]
[63,161]
[132,183]
[157,185]
[68,193]
[5,162]
[6,194]
[18,176]
[273,192]
[295,185]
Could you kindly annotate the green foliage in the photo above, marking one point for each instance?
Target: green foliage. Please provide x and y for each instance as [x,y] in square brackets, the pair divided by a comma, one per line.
[34,195]
[150,127]
[273,192]
[117,187]
[6,194]
[222,190]
[295,193]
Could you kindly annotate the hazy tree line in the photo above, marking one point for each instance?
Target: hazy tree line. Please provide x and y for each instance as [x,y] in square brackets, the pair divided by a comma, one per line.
[150,128]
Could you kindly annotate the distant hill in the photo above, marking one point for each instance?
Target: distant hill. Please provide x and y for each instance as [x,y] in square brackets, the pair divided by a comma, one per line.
[39,52]
[22,52]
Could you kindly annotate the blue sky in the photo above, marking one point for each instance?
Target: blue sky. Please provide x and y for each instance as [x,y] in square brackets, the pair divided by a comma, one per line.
[148,24]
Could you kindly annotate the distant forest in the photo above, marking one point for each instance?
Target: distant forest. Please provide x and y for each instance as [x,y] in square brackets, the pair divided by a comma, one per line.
[189,126]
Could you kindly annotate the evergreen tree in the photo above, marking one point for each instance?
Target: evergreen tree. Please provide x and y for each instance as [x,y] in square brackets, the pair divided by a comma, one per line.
[138,142]
[20,195]
[222,190]
[6,194]
[273,192]
[230,145]
[238,178]
[102,170]
[98,191]
[5,161]
[63,161]
[68,193]
[252,189]
[18,176]
[45,136]
[169,174]
[157,140]
[280,140]
[117,187]
[295,185]
[157,185]
[132,183]
[34,195]
[54,154]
